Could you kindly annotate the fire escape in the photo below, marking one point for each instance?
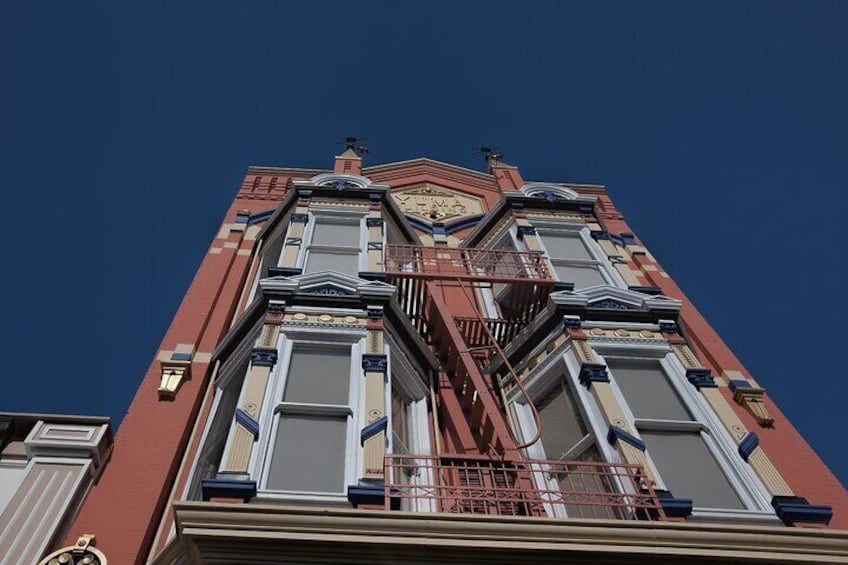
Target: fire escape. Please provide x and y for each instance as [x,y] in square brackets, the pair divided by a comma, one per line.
[440,288]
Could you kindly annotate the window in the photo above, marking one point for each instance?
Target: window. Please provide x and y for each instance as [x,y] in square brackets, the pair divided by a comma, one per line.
[567,438]
[335,244]
[314,420]
[569,250]
[687,448]
[678,442]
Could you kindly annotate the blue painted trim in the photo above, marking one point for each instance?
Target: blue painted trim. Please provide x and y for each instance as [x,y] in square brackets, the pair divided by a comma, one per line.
[276,307]
[249,423]
[242,218]
[735,384]
[700,378]
[375,196]
[175,356]
[629,238]
[304,193]
[593,373]
[668,327]
[463,223]
[284,271]
[375,362]
[674,507]
[616,433]
[447,228]
[366,494]
[748,444]
[374,222]
[521,231]
[793,509]
[616,239]
[261,216]
[375,313]
[299,218]
[228,488]
[563,285]
[652,290]
[598,235]
[263,357]
[372,276]
[373,429]
[573,322]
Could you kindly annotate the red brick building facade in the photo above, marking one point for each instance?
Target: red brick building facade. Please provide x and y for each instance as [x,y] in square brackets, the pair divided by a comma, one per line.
[418,360]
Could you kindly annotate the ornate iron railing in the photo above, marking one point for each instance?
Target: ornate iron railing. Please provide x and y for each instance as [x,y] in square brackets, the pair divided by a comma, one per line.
[468,484]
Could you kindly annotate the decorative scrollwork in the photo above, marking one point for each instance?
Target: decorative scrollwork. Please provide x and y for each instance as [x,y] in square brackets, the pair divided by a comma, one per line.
[83,553]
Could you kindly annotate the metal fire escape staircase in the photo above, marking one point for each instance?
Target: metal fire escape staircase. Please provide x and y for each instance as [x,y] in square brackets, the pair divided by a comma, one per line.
[428,278]
[434,285]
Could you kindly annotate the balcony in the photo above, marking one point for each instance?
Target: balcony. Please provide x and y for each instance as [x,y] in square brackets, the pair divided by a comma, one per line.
[471,484]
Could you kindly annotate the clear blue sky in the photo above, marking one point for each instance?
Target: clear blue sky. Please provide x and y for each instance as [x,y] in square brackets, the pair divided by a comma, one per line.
[719,128]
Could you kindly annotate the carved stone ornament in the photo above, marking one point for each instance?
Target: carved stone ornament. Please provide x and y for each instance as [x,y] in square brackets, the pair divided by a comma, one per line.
[173,376]
[752,398]
[83,553]
[437,204]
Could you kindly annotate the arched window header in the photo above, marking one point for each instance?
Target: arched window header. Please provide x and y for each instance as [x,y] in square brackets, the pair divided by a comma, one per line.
[549,191]
[341,182]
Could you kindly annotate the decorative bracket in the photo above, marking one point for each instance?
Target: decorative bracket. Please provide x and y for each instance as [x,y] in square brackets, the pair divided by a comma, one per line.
[173,375]
[752,398]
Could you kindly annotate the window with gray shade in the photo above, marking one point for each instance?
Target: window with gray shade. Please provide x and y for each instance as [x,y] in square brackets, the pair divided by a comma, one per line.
[313,417]
[566,246]
[582,277]
[334,234]
[309,454]
[318,376]
[689,469]
[647,389]
[347,263]
[400,423]
[335,244]
[571,259]
[562,426]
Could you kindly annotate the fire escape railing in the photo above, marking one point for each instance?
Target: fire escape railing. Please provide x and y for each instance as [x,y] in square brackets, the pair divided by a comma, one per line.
[466,345]
[519,487]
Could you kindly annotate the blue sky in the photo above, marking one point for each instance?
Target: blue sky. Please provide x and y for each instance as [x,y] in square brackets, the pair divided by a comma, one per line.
[718,128]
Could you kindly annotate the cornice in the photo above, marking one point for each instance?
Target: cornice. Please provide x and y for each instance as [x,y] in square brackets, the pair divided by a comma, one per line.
[207,528]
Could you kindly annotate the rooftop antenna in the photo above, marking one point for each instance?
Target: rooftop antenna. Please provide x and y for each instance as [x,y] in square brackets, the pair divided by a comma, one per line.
[488,152]
[351,142]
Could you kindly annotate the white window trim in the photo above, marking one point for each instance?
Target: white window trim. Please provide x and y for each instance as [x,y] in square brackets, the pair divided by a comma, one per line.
[487,294]
[747,486]
[599,258]
[341,216]
[260,461]
[403,377]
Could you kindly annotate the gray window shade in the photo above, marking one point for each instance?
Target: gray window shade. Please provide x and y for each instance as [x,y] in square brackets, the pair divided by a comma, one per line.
[582,277]
[565,247]
[689,470]
[332,233]
[318,376]
[347,263]
[562,426]
[400,423]
[647,390]
[309,454]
